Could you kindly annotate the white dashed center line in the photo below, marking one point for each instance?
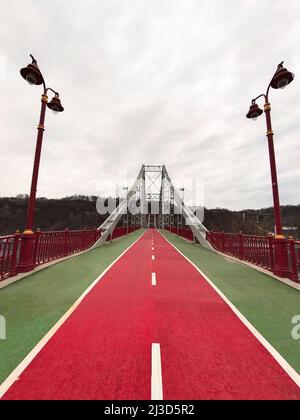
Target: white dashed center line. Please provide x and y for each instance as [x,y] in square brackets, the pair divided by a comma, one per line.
[153,279]
[156,375]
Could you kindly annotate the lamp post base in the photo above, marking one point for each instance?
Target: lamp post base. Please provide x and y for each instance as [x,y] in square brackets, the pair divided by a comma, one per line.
[281,258]
[26,260]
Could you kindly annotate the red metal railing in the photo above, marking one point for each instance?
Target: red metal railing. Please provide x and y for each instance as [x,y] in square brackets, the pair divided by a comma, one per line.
[51,246]
[8,255]
[121,231]
[259,250]
[184,232]
[255,249]
[48,246]
[294,258]
[297,246]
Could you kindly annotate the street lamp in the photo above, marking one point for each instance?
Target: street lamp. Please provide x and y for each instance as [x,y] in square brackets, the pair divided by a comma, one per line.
[280,80]
[33,75]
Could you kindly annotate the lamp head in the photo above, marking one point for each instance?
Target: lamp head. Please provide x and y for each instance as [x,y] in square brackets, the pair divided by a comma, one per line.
[55,105]
[254,111]
[282,78]
[32,74]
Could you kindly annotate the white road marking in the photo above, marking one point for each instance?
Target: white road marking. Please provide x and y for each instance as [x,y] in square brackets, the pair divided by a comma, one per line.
[14,376]
[153,248]
[277,356]
[156,375]
[153,279]
[153,257]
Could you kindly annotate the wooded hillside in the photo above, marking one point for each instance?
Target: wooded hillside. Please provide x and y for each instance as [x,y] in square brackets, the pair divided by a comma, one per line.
[78,212]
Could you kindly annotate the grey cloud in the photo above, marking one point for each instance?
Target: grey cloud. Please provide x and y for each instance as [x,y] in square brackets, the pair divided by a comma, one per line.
[147,81]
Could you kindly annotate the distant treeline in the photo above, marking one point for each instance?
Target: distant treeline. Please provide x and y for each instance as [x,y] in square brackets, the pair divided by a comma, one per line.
[76,212]
[255,222]
[79,211]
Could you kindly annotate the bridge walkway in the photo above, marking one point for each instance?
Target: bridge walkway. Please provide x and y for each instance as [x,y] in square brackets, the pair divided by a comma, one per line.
[153,326]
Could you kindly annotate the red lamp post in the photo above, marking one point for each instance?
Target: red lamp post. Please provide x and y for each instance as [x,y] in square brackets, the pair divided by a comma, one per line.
[33,76]
[280,80]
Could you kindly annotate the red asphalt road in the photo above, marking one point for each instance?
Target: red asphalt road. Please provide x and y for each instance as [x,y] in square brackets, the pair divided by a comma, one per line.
[103,351]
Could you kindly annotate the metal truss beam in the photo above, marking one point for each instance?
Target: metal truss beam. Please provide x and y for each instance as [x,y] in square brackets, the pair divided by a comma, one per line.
[168,197]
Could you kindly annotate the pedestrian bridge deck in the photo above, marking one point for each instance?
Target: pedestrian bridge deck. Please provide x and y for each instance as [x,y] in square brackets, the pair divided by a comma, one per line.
[32,306]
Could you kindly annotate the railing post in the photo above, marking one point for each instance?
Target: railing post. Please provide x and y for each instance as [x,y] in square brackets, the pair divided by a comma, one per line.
[36,245]
[223,242]
[241,246]
[294,268]
[14,255]
[66,236]
[271,251]
[83,241]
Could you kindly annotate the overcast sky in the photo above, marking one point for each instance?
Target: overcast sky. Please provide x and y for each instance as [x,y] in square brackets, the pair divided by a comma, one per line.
[151,81]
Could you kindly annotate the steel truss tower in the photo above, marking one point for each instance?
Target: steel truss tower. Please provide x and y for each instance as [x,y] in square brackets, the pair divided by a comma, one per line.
[153,201]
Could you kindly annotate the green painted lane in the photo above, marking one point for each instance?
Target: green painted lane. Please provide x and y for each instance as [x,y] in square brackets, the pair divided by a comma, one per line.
[33,305]
[266,302]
